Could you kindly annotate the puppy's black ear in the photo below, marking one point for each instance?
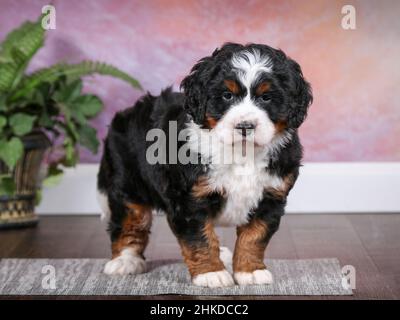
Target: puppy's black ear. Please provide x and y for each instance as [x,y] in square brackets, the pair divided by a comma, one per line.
[194,88]
[300,95]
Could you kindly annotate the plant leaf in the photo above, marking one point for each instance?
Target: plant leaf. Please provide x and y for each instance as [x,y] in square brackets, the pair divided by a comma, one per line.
[19,36]
[73,90]
[38,197]
[68,92]
[22,123]
[3,122]
[53,178]
[88,138]
[16,52]
[71,157]
[7,185]
[72,71]
[11,151]
[78,115]
[68,125]
[89,105]
[45,120]
[3,99]
[41,95]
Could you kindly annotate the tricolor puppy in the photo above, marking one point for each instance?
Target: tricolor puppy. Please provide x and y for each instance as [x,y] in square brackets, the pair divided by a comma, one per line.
[250,98]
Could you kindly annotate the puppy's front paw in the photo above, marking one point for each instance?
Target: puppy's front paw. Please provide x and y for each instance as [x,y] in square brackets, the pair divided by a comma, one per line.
[126,263]
[214,279]
[256,277]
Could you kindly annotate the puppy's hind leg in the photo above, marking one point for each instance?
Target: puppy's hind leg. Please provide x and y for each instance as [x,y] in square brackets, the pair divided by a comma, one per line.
[130,229]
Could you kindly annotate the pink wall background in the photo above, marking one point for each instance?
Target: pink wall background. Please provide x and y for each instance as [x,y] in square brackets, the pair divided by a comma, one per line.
[355,73]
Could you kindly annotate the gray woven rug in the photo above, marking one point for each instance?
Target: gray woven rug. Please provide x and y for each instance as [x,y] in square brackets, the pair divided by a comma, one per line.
[85,277]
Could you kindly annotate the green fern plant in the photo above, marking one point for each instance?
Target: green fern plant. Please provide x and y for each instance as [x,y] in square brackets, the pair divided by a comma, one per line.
[49,100]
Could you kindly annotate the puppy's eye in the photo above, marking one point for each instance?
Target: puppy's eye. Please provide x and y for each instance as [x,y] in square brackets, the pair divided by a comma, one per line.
[266,98]
[227,96]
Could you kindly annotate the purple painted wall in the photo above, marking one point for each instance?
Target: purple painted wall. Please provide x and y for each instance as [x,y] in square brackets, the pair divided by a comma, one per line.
[355,73]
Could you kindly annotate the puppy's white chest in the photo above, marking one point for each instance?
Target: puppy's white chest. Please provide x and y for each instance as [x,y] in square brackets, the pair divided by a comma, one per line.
[244,189]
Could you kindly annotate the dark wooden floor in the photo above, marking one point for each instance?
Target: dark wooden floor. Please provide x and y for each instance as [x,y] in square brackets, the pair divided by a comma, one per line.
[369,242]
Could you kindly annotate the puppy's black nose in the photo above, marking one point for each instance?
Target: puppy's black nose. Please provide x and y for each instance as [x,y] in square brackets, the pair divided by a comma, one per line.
[245,127]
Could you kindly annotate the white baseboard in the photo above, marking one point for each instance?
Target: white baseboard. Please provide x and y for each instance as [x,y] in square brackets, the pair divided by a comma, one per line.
[321,188]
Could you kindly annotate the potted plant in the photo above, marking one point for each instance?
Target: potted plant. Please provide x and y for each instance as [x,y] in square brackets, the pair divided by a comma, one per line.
[41,113]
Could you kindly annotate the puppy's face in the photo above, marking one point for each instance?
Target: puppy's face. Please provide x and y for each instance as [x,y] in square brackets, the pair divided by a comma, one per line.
[251,92]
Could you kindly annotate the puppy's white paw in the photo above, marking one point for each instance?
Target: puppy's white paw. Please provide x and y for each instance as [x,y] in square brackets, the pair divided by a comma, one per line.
[226,256]
[127,263]
[214,279]
[255,277]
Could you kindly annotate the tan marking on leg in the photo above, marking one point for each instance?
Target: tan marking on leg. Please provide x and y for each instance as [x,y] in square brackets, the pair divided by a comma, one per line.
[205,257]
[250,246]
[135,230]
